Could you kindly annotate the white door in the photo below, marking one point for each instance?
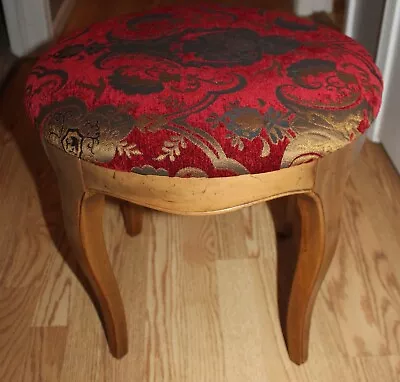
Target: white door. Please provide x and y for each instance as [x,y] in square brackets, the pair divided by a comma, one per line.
[386,128]
[31,23]
[28,24]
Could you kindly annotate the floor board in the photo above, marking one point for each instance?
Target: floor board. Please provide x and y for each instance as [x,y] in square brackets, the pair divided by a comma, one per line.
[199,292]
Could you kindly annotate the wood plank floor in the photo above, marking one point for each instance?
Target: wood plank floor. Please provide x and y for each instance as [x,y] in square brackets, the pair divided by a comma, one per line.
[200,292]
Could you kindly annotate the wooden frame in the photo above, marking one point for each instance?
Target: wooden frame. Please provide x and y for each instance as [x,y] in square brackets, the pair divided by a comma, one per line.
[310,218]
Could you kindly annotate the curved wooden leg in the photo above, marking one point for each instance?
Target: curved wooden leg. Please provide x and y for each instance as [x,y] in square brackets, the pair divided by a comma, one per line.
[88,243]
[133,218]
[316,229]
[83,219]
[310,269]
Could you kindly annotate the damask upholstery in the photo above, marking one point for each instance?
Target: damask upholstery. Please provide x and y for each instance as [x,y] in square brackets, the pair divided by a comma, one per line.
[203,91]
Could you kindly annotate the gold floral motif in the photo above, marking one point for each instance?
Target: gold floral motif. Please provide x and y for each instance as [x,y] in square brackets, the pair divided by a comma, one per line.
[90,135]
[247,124]
[266,150]
[172,148]
[124,148]
[320,132]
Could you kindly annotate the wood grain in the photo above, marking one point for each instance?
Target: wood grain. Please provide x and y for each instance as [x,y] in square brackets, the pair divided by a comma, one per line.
[42,364]
[196,287]
[180,292]
[317,186]
[83,221]
[315,237]
[196,196]
[16,308]
[247,330]
[56,295]
[354,336]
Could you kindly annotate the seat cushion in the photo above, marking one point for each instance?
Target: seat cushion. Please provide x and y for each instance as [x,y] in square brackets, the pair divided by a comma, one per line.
[203,91]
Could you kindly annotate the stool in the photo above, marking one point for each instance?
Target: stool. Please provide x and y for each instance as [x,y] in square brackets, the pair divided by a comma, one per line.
[204,110]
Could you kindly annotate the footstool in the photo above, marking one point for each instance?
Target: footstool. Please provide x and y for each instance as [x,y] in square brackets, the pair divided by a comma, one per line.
[204,110]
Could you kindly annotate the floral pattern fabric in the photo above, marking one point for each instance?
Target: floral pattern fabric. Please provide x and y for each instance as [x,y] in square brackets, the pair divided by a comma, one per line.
[203,91]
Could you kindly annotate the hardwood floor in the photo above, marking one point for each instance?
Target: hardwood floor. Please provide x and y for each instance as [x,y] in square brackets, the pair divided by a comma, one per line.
[88,11]
[200,292]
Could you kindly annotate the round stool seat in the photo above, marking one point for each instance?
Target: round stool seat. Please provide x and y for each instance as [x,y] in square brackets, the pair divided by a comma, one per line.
[203,92]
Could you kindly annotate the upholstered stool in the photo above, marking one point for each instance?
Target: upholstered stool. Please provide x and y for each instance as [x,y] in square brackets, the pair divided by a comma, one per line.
[204,110]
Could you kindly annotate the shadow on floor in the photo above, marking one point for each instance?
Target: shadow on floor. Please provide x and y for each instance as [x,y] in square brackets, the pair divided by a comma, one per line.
[17,126]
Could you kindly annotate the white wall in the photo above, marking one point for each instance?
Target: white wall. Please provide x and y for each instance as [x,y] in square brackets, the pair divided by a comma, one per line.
[30,23]
[363,22]
[386,128]
[306,7]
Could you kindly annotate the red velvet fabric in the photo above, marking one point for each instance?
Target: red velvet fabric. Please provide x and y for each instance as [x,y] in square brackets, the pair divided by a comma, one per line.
[203,91]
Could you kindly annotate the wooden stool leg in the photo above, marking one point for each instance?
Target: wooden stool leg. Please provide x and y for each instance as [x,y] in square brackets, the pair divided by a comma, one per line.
[83,220]
[133,218]
[310,269]
[315,238]
[88,243]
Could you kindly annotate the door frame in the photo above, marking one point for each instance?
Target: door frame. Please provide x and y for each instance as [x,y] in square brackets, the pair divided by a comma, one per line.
[386,58]
[29,23]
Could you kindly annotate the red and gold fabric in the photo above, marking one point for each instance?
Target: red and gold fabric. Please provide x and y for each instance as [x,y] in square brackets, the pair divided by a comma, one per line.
[203,91]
